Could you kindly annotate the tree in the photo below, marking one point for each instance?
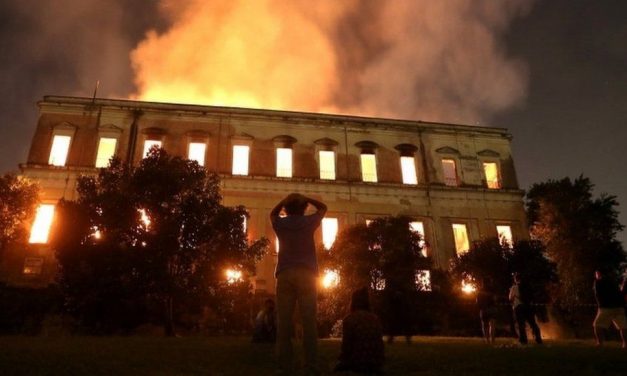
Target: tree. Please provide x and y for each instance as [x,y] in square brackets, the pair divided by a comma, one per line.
[579,233]
[18,201]
[164,222]
[384,255]
[485,261]
[493,263]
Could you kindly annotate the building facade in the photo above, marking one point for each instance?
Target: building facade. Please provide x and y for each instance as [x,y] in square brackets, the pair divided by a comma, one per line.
[458,182]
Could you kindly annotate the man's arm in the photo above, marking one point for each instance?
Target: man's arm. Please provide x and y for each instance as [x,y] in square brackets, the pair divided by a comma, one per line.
[319,205]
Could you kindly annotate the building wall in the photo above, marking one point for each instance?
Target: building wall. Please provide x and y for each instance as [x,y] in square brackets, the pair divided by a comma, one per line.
[349,199]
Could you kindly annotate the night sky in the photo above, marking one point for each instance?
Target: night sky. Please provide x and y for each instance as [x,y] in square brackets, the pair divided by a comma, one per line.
[572,121]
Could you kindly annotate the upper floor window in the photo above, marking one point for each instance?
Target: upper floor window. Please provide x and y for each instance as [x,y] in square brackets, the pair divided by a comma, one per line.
[368,168]
[106,150]
[196,152]
[327,164]
[59,150]
[449,170]
[408,163]
[460,234]
[284,162]
[148,144]
[41,226]
[368,161]
[329,231]
[408,169]
[505,235]
[240,159]
[327,149]
[491,172]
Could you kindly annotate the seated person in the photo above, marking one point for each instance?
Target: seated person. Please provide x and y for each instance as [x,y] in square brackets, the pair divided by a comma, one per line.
[265,324]
[362,338]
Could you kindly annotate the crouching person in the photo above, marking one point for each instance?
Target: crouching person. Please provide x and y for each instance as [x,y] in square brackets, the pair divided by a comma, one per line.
[362,338]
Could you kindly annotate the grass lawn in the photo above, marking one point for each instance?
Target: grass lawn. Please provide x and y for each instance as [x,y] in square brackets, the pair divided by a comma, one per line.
[237,356]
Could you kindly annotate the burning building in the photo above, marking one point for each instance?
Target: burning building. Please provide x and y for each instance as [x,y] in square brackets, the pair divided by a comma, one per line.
[458,182]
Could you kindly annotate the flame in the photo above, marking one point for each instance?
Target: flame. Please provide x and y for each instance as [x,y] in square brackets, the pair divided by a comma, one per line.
[330,279]
[233,276]
[468,287]
[145,220]
[432,60]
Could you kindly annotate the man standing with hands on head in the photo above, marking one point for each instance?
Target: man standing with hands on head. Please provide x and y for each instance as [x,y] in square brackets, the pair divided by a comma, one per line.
[296,274]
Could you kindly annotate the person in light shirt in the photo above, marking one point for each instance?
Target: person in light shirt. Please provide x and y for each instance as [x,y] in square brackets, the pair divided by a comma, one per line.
[519,297]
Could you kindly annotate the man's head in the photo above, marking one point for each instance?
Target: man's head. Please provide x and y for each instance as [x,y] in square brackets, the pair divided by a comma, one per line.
[359,300]
[295,204]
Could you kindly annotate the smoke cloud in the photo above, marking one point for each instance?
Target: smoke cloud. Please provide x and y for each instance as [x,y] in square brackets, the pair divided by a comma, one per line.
[416,59]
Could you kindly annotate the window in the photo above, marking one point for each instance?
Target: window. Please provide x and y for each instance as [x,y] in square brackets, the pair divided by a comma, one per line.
[240,159]
[196,152]
[33,265]
[284,162]
[423,280]
[450,172]
[41,226]
[327,164]
[505,235]
[491,175]
[419,228]
[461,238]
[408,169]
[149,144]
[59,150]
[329,231]
[106,150]
[368,168]
[276,244]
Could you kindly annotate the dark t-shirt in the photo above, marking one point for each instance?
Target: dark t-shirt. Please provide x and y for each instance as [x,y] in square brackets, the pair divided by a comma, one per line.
[296,241]
[607,293]
[362,343]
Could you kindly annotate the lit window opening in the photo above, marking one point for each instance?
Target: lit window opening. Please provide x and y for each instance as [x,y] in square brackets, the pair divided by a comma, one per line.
[329,231]
[460,233]
[33,265]
[450,172]
[240,159]
[368,168]
[149,144]
[419,228]
[284,162]
[59,150]
[276,244]
[423,280]
[327,164]
[491,175]
[41,226]
[196,152]
[106,150]
[408,169]
[505,235]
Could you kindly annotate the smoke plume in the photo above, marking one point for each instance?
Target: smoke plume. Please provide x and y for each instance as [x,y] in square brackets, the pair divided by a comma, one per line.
[416,59]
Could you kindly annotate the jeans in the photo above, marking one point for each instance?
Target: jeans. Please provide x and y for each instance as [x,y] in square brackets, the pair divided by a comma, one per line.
[524,314]
[297,285]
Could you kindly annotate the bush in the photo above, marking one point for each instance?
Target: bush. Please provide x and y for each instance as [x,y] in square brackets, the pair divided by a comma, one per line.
[25,309]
